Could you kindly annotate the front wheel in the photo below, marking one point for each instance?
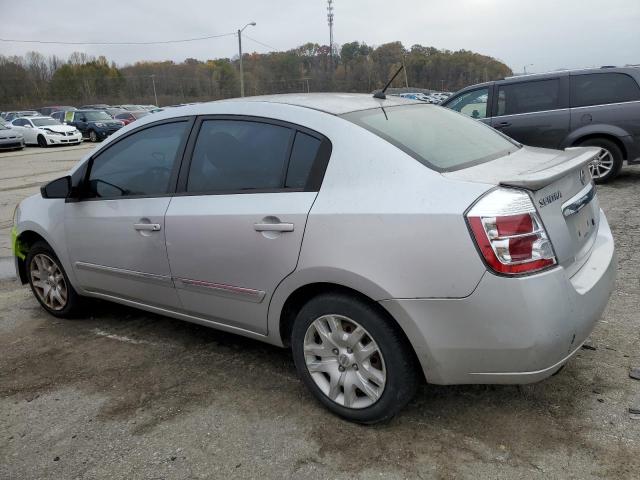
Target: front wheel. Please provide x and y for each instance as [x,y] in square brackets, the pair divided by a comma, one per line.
[42,142]
[353,359]
[49,282]
[93,136]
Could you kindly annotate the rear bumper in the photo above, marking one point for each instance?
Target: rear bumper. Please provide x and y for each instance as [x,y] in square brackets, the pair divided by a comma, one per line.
[632,145]
[510,330]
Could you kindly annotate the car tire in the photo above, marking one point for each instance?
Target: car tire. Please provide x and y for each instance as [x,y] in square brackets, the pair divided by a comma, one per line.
[55,293]
[93,136]
[389,374]
[609,162]
[42,142]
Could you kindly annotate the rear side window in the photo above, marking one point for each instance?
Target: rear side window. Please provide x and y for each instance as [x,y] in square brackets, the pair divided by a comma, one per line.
[237,155]
[303,155]
[437,137]
[603,88]
[528,97]
[140,164]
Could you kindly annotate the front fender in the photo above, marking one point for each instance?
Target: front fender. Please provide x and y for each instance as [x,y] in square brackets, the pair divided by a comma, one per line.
[45,217]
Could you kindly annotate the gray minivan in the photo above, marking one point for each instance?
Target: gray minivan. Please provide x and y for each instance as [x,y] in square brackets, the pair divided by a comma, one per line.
[595,107]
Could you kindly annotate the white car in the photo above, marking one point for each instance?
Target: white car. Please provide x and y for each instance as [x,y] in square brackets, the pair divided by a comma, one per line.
[45,131]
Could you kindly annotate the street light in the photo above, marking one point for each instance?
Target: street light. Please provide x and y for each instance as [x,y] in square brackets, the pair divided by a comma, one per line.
[527,65]
[253,24]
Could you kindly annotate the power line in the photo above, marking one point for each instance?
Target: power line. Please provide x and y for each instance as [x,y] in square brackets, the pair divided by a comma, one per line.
[259,42]
[160,42]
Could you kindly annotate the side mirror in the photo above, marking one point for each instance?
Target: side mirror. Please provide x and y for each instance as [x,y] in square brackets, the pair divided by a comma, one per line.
[27,125]
[59,188]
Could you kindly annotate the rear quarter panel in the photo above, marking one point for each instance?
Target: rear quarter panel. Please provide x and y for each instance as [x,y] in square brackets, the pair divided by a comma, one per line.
[384,218]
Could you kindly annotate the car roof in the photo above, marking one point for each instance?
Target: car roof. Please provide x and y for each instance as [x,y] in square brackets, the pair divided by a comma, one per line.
[633,70]
[333,103]
[555,73]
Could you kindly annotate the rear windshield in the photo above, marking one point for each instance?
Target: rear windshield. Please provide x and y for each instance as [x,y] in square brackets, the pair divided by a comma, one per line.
[439,138]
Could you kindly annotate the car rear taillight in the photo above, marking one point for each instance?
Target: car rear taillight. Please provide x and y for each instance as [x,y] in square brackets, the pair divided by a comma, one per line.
[509,233]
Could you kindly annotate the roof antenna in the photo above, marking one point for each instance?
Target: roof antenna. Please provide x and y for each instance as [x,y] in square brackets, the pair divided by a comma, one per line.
[381,94]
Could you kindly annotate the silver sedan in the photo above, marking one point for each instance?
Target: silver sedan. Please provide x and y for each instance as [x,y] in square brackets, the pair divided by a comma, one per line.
[387,242]
[10,139]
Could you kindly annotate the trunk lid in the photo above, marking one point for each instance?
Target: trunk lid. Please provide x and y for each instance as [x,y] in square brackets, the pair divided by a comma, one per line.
[559,183]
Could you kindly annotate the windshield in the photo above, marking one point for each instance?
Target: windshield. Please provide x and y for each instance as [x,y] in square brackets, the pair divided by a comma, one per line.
[435,136]
[95,116]
[42,122]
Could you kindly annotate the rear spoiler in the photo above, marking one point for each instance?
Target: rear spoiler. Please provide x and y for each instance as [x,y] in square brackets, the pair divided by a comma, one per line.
[543,174]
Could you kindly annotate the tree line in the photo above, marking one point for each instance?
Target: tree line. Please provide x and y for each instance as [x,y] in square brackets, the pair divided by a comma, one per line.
[34,80]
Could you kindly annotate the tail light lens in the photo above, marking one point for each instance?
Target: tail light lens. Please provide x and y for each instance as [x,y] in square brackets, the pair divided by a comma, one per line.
[509,233]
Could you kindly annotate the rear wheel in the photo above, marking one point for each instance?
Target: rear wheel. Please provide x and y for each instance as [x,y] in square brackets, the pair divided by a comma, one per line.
[354,361]
[93,136]
[609,161]
[42,142]
[49,282]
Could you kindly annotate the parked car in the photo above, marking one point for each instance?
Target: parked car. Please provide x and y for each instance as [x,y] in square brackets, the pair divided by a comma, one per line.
[47,111]
[595,107]
[96,125]
[97,106]
[61,115]
[384,246]
[132,108]
[46,131]
[10,139]
[113,111]
[23,113]
[128,117]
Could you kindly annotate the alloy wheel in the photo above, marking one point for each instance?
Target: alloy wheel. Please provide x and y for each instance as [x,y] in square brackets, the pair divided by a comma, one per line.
[92,136]
[344,361]
[48,281]
[602,165]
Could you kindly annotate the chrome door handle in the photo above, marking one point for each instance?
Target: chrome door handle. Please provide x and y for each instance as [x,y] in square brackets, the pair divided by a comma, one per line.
[148,227]
[273,227]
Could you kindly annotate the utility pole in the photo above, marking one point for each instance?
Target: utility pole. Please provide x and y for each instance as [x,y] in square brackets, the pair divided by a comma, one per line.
[330,22]
[406,79]
[240,30]
[153,81]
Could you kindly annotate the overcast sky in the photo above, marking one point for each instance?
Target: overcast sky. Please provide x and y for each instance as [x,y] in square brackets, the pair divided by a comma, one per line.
[549,34]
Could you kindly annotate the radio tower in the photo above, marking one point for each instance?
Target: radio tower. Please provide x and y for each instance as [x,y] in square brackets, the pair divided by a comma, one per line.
[330,22]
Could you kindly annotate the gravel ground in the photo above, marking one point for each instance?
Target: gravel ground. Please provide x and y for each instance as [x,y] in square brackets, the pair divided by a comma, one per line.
[126,394]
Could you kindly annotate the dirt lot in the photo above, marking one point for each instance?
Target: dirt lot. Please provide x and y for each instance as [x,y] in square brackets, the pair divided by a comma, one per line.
[125,394]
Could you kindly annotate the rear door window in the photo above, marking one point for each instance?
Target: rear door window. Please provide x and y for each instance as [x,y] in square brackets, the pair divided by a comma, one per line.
[603,88]
[528,97]
[237,155]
